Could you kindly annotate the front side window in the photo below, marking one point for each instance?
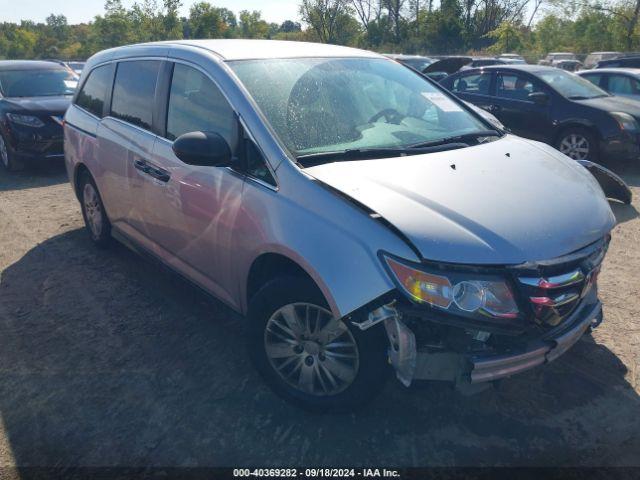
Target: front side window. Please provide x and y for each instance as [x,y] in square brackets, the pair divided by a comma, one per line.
[476,83]
[318,105]
[37,83]
[134,91]
[595,78]
[92,95]
[623,85]
[196,104]
[514,87]
[570,85]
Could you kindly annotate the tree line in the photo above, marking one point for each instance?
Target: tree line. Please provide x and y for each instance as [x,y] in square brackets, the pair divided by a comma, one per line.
[530,27]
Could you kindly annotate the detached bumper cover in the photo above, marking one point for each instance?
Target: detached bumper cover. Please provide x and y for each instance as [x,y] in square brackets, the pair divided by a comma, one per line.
[493,368]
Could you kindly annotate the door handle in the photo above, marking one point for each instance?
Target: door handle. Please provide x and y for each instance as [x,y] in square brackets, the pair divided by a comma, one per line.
[157,173]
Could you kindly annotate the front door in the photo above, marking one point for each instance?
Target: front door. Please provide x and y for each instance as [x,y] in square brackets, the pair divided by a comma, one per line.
[514,108]
[192,215]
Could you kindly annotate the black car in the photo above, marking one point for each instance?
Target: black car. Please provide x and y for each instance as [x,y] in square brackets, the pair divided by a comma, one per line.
[34,96]
[556,107]
[628,61]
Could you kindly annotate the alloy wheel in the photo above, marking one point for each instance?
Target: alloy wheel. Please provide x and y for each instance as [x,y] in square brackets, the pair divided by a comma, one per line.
[311,350]
[93,210]
[575,146]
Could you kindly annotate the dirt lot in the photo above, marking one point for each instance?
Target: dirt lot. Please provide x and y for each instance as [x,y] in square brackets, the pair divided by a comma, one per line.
[106,359]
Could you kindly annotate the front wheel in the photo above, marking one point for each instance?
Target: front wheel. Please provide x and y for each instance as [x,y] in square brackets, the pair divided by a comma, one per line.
[578,144]
[307,355]
[7,157]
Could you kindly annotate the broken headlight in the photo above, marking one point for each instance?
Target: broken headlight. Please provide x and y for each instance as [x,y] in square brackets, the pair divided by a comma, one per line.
[462,293]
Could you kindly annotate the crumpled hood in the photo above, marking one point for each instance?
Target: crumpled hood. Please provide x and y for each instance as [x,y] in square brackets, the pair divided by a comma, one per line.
[56,105]
[503,202]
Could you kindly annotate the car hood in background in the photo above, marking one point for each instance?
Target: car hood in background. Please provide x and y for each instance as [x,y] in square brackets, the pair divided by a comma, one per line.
[614,103]
[39,105]
[448,65]
[504,202]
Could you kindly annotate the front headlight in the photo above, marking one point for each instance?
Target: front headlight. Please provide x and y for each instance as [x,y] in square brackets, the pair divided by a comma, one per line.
[27,120]
[625,121]
[462,293]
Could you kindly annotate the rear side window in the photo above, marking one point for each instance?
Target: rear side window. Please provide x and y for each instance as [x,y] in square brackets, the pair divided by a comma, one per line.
[134,91]
[477,83]
[196,104]
[91,97]
[622,85]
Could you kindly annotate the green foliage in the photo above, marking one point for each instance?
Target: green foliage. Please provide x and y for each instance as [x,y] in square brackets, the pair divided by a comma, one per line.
[408,26]
[508,37]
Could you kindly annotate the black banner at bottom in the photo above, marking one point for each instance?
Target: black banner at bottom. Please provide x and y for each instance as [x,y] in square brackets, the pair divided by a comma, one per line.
[205,473]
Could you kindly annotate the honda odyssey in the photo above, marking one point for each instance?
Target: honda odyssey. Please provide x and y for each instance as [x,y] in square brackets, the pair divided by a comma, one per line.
[363,219]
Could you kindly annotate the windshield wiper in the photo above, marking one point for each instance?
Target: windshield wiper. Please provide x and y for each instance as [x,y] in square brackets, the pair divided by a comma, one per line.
[582,97]
[457,139]
[311,159]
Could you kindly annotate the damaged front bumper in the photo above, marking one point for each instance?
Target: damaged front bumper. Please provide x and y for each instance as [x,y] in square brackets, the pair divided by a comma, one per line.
[465,369]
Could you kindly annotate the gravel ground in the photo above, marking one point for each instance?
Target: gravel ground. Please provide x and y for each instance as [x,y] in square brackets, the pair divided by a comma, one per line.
[109,360]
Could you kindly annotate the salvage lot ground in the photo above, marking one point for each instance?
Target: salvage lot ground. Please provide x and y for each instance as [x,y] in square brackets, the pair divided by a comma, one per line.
[107,359]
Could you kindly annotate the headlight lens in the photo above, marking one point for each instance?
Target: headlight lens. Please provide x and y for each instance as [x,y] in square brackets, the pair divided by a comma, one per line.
[28,120]
[625,121]
[466,294]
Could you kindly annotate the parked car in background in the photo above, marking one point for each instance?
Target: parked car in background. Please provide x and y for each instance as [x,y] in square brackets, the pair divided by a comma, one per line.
[76,66]
[316,189]
[555,107]
[624,82]
[554,57]
[417,62]
[434,68]
[512,58]
[568,65]
[33,98]
[483,62]
[593,58]
[627,61]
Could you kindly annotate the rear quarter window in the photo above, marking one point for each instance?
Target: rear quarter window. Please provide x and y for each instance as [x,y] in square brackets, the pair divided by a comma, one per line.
[134,91]
[94,91]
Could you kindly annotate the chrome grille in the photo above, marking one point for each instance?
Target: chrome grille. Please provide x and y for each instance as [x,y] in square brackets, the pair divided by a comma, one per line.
[555,288]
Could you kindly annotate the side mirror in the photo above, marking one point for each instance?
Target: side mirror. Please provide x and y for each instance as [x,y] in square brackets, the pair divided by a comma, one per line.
[207,149]
[539,98]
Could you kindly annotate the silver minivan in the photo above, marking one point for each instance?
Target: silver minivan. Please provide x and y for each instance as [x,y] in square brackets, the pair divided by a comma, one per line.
[365,221]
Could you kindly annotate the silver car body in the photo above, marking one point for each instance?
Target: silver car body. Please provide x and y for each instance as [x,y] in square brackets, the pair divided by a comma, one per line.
[506,202]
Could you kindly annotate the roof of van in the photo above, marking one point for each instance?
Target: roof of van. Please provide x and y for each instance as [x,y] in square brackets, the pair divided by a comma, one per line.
[29,65]
[245,49]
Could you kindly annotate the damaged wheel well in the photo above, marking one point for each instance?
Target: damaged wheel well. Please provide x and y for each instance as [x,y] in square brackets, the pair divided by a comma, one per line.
[269,266]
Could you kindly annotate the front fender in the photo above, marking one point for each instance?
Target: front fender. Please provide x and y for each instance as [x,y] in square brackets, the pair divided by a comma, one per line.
[331,239]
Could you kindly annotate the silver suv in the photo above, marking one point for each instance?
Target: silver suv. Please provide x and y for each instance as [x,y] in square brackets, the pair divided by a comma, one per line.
[363,219]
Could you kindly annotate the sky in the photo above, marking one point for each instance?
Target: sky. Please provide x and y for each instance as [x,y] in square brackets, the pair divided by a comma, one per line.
[78,11]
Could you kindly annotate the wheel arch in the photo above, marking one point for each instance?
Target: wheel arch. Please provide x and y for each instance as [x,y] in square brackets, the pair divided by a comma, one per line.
[576,123]
[270,265]
[79,169]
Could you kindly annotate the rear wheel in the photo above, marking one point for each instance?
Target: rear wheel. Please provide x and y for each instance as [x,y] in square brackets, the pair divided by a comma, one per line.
[307,355]
[7,157]
[95,217]
[578,144]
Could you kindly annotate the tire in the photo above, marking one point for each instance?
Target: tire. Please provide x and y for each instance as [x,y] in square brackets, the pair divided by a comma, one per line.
[95,218]
[578,144]
[359,357]
[7,156]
